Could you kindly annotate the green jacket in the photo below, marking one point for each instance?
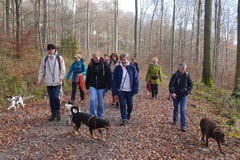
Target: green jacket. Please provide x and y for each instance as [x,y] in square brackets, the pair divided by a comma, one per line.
[154,72]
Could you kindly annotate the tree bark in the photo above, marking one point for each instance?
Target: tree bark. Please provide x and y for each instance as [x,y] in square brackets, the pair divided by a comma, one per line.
[44,30]
[198,36]
[18,46]
[237,74]
[160,32]
[135,28]
[7,18]
[116,26]
[173,38]
[88,29]
[207,75]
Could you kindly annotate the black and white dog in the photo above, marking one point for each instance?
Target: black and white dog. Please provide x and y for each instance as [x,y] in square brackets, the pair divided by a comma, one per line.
[69,105]
[15,101]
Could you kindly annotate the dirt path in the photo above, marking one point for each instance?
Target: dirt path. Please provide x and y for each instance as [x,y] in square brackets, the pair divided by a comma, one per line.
[27,134]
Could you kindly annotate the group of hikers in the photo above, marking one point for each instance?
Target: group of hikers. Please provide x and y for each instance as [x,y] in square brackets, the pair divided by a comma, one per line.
[115,73]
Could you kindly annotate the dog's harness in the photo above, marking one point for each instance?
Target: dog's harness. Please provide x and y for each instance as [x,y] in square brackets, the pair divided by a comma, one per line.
[214,131]
[95,123]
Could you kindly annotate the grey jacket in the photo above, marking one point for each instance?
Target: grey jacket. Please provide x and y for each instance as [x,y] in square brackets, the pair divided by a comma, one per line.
[55,76]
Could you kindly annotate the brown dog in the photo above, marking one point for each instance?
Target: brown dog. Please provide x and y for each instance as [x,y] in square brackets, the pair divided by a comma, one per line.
[211,130]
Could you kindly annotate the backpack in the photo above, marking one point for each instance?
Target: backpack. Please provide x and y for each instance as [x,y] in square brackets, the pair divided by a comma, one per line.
[58,59]
[187,75]
[74,65]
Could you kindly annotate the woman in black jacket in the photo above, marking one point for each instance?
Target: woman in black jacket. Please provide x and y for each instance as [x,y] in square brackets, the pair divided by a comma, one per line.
[99,80]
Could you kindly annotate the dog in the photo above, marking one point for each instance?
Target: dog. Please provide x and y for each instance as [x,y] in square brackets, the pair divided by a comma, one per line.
[69,105]
[211,130]
[92,122]
[16,101]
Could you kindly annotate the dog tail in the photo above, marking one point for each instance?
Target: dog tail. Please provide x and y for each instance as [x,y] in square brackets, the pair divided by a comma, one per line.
[74,110]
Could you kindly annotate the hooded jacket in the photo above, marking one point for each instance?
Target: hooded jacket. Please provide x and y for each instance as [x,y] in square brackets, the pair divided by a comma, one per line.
[98,75]
[50,69]
[77,67]
[117,79]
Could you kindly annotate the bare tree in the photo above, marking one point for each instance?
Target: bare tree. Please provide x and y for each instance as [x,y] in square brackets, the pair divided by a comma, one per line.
[207,75]
[116,26]
[160,31]
[155,3]
[171,60]
[198,35]
[88,28]
[7,18]
[18,46]
[237,74]
[45,19]
[135,29]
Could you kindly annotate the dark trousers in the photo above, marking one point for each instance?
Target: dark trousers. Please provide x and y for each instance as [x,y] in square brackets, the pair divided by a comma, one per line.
[53,93]
[74,90]
[125,98]
[154,88]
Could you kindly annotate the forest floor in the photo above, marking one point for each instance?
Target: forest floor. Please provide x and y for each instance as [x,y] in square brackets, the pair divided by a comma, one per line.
[27,133]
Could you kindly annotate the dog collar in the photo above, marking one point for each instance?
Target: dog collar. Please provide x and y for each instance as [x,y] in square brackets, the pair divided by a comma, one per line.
[214,131]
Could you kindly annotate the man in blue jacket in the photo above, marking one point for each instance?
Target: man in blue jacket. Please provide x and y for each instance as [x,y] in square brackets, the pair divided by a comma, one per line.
[77,67]
[125,85]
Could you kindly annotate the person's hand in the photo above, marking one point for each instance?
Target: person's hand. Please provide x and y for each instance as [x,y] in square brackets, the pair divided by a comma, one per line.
[174,96]
[38,84]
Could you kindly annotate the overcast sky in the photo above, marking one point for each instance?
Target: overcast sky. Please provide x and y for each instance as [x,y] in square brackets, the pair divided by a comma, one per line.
[127,5]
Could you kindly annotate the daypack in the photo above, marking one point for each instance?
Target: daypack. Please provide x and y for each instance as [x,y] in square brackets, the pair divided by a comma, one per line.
[58,59]
[74,65]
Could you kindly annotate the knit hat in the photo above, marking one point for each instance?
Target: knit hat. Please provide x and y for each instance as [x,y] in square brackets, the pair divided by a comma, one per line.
[51,46]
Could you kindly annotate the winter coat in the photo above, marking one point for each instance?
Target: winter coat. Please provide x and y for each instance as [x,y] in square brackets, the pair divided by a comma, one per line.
[53,75]
[117,79]
[77,67]
[180,84]
[98,75]
[154,73]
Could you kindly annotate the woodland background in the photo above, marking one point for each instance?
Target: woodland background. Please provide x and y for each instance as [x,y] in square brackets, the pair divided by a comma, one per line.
[172,30]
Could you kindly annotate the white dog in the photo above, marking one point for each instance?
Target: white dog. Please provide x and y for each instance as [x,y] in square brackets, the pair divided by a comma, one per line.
[16,102]
[69,106]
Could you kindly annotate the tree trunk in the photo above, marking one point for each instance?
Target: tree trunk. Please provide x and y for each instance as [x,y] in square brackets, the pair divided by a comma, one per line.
[160,32]
[184,33]
[237,74]
[218,39]
[7,18]
[207,75]
[198,37]
[173,38]
[193,32]
[44,30]
[150,34]
[116,26]
[18,47]
[135,28]
[88,29]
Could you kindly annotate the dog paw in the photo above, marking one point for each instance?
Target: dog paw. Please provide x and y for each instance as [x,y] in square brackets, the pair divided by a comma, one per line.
[76,133]
[104,140]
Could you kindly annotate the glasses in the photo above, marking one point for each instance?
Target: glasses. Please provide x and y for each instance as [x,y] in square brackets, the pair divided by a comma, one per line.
[51,49]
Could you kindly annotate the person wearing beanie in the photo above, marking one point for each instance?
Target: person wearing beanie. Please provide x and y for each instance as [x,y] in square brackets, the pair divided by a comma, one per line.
[52,68]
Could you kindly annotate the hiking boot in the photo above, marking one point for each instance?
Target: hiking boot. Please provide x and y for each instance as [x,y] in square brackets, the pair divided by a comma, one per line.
[53,116]
[174,123]
[124,122]
[113,103]
[58,115]
[128,116]
[183,129]
[117,104]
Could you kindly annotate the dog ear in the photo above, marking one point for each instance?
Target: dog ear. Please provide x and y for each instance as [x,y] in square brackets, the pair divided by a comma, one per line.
[74,110]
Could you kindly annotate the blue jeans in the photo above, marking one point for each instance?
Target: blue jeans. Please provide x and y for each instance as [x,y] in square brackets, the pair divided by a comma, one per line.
[125,98]
[53,93]
[182,103]
[97,95]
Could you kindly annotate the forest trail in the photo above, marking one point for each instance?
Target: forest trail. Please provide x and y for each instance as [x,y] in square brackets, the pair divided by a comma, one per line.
[27,133]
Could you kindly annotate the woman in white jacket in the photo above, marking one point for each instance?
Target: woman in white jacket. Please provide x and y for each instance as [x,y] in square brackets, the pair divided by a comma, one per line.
[53,69]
